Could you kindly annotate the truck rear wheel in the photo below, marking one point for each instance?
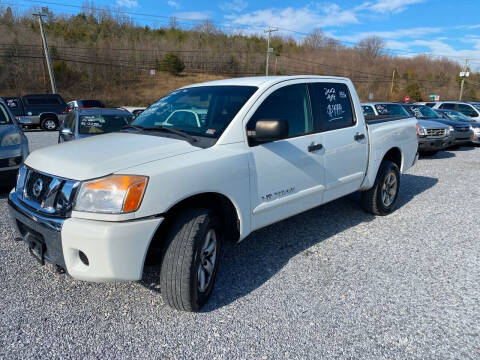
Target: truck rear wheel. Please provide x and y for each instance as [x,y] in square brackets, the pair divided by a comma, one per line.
[382,197]
[49,123]
[190,260]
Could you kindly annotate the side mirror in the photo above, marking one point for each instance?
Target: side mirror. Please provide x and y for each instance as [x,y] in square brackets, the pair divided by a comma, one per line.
[270,130]
[66,132]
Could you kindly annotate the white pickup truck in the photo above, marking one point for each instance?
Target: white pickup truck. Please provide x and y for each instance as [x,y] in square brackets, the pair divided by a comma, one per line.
[234,156]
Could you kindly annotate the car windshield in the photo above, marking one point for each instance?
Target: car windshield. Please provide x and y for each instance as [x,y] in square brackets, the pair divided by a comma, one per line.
[4,117]
[423,112]
[200,111]
[99,124]
[455,115]
[391,109]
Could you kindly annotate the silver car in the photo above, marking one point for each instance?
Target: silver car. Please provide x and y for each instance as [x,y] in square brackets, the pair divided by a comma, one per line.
[13,146]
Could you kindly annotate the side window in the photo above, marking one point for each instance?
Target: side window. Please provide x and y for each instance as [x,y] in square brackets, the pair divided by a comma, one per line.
[467,110]
[448,106]
[367,110]
[290,103]
[331,105]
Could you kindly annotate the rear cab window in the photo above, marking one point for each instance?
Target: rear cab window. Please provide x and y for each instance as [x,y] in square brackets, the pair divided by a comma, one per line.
[331,105]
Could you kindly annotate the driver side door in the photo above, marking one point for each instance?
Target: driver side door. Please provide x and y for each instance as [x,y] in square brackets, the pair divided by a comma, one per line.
[287,175]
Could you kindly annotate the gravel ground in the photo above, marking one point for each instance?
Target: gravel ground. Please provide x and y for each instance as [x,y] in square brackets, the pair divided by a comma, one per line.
[331,283]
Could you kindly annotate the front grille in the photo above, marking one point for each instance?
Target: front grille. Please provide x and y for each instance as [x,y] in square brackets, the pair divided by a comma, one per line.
[9,162]
[47,193]
[462,128]
[436,132]
[34,179]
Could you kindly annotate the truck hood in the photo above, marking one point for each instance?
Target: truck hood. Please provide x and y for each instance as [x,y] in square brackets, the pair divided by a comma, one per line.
[102,155]
[428,124]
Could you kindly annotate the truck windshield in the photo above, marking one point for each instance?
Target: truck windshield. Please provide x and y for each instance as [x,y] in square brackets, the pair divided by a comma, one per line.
[200,111]
[423,112]
[99,124]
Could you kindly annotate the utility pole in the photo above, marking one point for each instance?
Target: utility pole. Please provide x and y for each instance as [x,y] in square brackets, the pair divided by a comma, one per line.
[269,49]
[464,74]
[45,48]
[393,82]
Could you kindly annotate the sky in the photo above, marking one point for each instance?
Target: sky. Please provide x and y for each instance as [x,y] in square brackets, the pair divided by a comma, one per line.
[438,27]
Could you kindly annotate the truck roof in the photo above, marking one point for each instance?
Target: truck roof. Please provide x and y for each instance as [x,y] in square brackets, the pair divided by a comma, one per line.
[263,81]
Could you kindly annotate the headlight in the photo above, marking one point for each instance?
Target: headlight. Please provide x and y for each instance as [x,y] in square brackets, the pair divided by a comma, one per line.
[113,194]
[422,131]
[476,130]
[451,129]
[11,139]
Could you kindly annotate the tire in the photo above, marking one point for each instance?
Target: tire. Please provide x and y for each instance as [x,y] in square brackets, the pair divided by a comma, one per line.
[185,258]
[429,153]
[49,123]
[373,200]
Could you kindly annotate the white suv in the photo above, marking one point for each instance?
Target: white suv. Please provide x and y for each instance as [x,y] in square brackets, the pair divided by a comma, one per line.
[471,110]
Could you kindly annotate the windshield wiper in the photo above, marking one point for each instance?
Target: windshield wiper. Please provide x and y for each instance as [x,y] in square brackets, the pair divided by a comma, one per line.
[175,131]
[171,130]
[136,127]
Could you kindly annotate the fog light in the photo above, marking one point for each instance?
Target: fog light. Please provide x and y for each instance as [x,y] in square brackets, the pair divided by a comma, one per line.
[83,258]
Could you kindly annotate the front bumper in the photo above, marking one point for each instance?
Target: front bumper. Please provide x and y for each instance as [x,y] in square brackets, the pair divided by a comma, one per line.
[115,251]
[476,138]
[428,144]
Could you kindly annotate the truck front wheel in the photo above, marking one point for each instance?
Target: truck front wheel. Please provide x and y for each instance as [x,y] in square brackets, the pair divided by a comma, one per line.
[49,123]
[382,197]
[190,260]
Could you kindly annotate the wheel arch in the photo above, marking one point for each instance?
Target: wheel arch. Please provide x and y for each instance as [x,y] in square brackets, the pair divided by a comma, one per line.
[222,205]
[394,155]
[48,114]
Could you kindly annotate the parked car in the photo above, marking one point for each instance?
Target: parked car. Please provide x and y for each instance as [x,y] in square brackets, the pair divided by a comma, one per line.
[82,123]
[465,108]
[85,104]
[463,132]
[269,148]
[13,146]
[432,136]
[455,115]
[44,110]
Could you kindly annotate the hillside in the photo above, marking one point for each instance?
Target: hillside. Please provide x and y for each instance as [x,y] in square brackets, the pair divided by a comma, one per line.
[105,55]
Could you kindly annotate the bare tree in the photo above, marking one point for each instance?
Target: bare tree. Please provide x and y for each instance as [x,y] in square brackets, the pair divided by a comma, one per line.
[371,47]
[316,39]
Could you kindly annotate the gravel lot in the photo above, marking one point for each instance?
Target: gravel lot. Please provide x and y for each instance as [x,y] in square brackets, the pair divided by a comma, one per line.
[330,283]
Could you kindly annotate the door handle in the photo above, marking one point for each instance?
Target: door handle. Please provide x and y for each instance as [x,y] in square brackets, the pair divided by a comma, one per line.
[359,136]
[314,147]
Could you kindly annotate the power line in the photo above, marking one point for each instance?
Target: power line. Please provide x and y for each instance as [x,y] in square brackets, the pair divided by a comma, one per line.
[247,26]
